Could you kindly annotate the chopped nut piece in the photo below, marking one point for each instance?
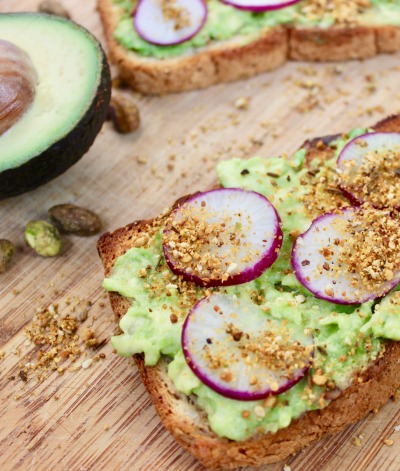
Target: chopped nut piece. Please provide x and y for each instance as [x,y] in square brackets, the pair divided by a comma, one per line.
[319,379]
[87,363]
[242,103]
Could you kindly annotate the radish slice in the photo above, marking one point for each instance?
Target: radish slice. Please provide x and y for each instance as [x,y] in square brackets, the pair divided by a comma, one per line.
[349,257]
[369,169]
[222,237]
[258,6]
[169,22]
[240,352]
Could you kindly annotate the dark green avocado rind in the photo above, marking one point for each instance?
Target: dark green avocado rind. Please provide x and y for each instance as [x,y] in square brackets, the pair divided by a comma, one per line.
[66,151]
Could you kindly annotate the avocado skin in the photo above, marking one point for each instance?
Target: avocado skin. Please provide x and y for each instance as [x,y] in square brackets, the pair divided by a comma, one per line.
[64,153]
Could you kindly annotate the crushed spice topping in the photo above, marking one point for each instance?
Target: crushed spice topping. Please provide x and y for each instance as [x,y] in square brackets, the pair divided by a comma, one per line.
[323,194]
[270,350]
[369,251]
[208,244]
[342,11]
[376,180]
[60,343]
[176,13]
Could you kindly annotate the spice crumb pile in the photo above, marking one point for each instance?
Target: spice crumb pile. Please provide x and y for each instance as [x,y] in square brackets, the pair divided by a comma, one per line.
[61,340]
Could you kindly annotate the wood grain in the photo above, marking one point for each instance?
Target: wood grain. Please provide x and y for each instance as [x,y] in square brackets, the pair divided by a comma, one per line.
[101,417]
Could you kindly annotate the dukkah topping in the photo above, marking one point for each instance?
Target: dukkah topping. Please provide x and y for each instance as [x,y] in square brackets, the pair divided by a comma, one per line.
[370,248]
[369,170]
[172,11]
[342,11]
[222,237]
[349,256]
[240,352]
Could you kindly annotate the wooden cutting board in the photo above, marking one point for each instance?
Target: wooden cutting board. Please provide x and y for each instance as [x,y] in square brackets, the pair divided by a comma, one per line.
[101,417]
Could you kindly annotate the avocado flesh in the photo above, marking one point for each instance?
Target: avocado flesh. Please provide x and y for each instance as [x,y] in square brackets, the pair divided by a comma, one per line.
[70,104]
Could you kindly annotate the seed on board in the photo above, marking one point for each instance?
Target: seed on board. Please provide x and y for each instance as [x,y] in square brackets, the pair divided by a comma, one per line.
[242,103]
[124,113]
[6,254]
[75,219]
[43,238]
[52,7]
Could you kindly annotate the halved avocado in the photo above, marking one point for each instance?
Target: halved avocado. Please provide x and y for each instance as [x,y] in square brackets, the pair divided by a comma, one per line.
[70,103]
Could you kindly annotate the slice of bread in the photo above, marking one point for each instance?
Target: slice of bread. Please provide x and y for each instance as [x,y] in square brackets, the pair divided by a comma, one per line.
[188,424]
[236,59]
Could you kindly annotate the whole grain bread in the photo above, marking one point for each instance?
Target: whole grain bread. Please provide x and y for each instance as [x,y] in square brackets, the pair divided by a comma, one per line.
[241,57]
[187,423]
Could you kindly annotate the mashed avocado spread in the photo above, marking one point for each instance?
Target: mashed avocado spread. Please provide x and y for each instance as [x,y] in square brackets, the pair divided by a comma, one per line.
[347,338]
[225,22]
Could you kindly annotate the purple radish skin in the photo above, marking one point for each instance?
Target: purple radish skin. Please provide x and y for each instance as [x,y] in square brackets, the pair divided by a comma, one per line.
[243,239]
[336,258]
[259,6]
[220,331]
[160,27]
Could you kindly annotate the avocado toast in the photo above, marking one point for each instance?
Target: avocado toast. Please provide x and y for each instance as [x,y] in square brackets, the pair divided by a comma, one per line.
[235,44]
[351,375]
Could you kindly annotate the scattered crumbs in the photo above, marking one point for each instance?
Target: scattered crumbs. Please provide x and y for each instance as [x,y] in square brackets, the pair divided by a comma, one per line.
[397,428]
[106,427]
[15,292]
[286,467]
[141,160]
[54,331]
[2,354]
[388,442]
[87,363]
[242,103]
[357,442]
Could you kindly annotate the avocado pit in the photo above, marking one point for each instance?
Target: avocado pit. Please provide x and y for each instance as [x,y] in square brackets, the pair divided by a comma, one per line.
[18,79]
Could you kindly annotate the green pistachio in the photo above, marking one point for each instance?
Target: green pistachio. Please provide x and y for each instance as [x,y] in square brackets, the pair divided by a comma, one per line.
[75,220]
[6,254]
[43,238]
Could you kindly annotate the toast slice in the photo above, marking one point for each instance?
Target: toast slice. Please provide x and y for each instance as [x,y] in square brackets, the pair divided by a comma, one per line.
[227,61]
[188,423]
[221,62]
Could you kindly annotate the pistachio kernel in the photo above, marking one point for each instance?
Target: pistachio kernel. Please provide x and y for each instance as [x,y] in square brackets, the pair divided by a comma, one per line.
[75,219]
[43,238]
[6,254]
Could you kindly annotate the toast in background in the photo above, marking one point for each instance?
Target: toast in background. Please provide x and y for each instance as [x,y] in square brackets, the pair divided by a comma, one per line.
[242,57]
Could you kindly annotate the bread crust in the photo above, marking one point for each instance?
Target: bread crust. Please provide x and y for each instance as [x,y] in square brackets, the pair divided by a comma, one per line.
[371,389]
[242,57]
[225,62]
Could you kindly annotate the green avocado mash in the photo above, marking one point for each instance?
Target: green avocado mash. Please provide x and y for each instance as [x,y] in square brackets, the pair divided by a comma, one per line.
[347,338]
[225,22]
